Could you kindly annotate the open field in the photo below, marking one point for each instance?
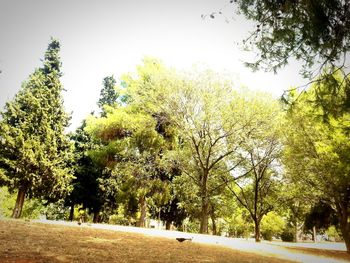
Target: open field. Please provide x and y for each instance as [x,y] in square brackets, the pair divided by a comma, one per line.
[36,242]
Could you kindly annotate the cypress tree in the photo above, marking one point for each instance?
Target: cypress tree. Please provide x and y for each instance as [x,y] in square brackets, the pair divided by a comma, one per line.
[34,149]
[108,94]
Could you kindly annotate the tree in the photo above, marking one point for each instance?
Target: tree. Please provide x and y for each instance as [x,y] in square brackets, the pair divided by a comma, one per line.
[87,172]
[258,191]
[320,217]
[108,94]
[169,209]
[134,145]
[272,225]
[35,152]
[213,125]
[317,154]
[85,184]
[213,122]
[296,203]
[315,32]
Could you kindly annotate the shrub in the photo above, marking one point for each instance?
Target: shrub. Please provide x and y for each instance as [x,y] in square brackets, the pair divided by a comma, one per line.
[333,234]
[272,225]
[118,220]
[287,235]
[267,235]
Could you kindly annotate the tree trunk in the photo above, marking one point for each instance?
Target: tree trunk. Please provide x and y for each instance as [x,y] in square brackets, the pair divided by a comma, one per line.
[298,229]
[96,218]
[346,236]
[143,207]
[257,230]
[205,205]
[71,212]
[314,234]
[345,226]
[212,216]
[159,219]
[17,211]
[204,216]
[167,225]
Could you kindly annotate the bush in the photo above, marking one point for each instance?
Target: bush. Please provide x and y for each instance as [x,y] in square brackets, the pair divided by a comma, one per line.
[287,235]
[267,235]
[333,234]
[118,220]
[56,211]
[272,225]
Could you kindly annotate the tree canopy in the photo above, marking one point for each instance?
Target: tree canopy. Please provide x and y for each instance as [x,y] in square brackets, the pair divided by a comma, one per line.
[314,32]
[317,154]
[35,153]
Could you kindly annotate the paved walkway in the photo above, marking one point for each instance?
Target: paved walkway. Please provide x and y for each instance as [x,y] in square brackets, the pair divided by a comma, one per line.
[274,249]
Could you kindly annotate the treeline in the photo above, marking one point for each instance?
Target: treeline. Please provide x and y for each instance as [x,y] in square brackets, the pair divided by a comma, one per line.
[186,148]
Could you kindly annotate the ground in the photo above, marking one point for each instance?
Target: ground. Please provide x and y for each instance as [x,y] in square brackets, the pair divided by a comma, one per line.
[24,242]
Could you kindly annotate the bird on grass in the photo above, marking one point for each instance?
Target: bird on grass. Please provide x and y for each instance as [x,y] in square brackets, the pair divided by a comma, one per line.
[182,239]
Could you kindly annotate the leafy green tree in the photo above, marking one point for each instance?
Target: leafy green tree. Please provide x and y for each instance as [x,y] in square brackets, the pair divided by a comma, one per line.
[169,209]
[144,170]
[317,154]
[204,109]
[239,222]
[35,153]
[85,184]
[135,145]
[272,225]
[315,32]
[109,94]
[258,191]
[320,217]
[213,122]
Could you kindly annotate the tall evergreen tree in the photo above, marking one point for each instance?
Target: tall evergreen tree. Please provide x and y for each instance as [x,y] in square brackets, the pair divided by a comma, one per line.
[108,94]
[85,184]
[34,149]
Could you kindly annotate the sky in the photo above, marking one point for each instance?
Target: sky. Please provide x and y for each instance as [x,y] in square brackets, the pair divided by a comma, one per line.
[105,37]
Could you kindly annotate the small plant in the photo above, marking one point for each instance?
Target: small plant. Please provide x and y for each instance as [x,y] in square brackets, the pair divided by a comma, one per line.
[287,235]
[333,234]
[272,225]
[118,220]
[267,235]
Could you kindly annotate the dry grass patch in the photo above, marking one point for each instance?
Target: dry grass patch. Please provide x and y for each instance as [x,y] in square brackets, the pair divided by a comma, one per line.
[24,242]
[336,254]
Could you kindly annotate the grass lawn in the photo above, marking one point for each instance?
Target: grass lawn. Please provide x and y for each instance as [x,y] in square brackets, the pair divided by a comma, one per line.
[24,242]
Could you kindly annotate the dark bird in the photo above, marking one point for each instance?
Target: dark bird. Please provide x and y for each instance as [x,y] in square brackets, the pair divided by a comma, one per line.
[182,239]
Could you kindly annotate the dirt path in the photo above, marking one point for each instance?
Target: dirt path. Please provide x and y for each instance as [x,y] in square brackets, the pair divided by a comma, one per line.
[335,253]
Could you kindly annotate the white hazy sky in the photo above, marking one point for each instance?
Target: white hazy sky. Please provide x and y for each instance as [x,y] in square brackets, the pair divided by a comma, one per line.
[101,38]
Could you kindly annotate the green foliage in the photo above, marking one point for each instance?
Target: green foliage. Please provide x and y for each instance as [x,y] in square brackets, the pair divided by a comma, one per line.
[287,235]
[320,216]
[109,94]
[56,211]
[85,184]
[257,189]
[130,149]
[272,225]
[34,151]
[191,226]
[32,209]
[121,218]
[317,155]
[315,32]
[333,234]
[239,223]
